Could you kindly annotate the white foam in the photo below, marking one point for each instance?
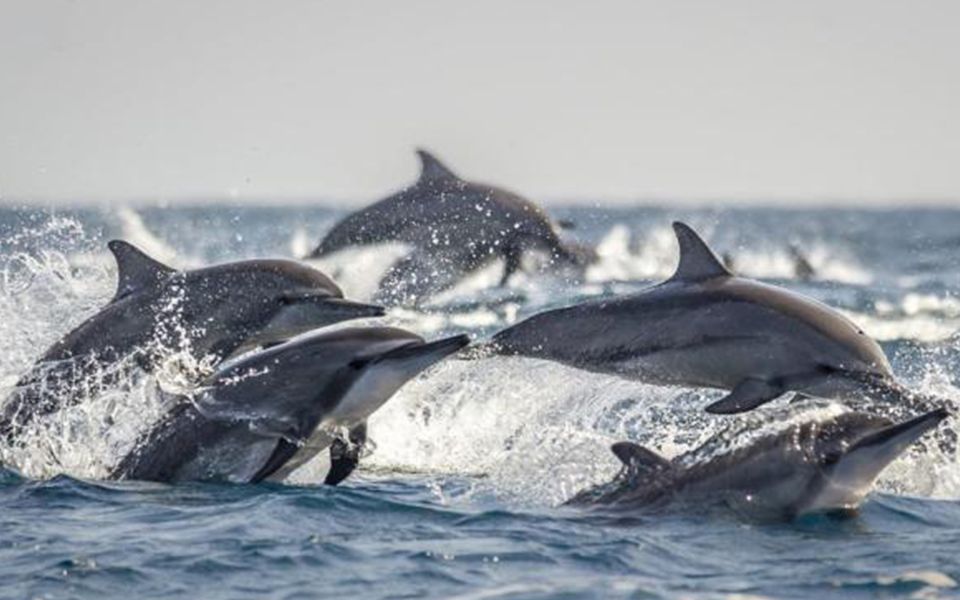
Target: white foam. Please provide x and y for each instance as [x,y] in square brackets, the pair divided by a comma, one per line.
[652,254]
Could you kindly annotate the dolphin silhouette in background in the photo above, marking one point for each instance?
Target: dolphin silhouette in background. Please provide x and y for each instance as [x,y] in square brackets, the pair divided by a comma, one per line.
[815,466]
[802,269]
[211,312]
[454,227]
[706,327]
[265,414]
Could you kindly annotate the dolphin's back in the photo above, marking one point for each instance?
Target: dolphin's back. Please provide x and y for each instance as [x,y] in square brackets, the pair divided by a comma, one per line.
[440,213]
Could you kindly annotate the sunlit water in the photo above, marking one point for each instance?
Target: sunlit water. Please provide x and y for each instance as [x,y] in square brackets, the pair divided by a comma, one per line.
[460,495]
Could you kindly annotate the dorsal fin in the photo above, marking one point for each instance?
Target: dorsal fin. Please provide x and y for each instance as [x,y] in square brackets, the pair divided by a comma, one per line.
[431,169]
[636,458]
[697,260]
[135,270]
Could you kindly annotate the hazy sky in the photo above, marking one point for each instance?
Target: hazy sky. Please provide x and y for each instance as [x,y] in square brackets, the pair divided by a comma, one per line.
[674,99]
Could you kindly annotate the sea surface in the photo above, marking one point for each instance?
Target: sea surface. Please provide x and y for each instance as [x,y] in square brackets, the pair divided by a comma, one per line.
[460,493]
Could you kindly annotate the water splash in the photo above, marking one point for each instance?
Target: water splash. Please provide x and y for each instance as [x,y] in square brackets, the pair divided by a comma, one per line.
[135,231]
[527,431]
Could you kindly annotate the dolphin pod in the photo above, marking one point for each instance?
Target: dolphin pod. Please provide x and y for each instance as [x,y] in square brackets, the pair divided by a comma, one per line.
[454,227]
[282,390]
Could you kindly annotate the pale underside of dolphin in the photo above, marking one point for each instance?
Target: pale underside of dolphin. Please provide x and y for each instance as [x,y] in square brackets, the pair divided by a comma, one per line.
[454,227]
[210,313]
[705,327]
[815,466]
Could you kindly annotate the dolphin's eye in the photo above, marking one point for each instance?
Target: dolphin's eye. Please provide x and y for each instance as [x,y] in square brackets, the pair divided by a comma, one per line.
[832,457]
[360,363]
[825,369]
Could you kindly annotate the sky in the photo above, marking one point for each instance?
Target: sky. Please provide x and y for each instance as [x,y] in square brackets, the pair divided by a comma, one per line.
[608,101]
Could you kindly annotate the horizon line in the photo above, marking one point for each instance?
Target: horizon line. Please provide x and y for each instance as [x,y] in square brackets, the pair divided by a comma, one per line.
[658,201]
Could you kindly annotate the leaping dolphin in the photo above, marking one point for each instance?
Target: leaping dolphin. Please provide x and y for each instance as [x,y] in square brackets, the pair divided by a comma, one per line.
[265,414]
[211,312]
[454,227]
[706,327]
[814,466]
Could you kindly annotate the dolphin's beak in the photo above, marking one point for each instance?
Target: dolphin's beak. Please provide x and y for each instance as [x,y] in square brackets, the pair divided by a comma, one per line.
[429,352]
[853,474]
[350,309]
[382,374]
[893,440]
[303,311]
[335,306]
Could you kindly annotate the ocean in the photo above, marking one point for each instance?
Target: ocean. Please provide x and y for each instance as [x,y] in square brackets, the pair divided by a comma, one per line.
[460,495]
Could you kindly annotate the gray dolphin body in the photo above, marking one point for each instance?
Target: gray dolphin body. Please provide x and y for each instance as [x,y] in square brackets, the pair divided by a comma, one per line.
[814,466]
[705,327]
[264,415]
[211,312]
[454,227]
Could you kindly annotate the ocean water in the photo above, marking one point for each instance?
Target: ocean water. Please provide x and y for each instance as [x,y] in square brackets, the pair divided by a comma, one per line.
[460,494]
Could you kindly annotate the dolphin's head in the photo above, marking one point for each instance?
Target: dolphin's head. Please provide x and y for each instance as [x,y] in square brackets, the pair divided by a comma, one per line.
[302,298]
[386,368]
[337,377]
[854,448]
[260,302]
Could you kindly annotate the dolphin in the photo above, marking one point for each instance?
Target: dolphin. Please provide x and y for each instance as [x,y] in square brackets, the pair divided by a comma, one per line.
[802,269]
[454,227]
[211,312]
[705,327]
[265,414]
[809,467]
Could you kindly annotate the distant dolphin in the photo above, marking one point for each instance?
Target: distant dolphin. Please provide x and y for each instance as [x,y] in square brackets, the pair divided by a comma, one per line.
[802,269]
[266,414]
[211,312]
[815,466]
[454,227]
[706,327]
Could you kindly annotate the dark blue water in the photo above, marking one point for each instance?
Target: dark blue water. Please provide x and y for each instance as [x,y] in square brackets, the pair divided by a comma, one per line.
[390,538]
[460,497]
